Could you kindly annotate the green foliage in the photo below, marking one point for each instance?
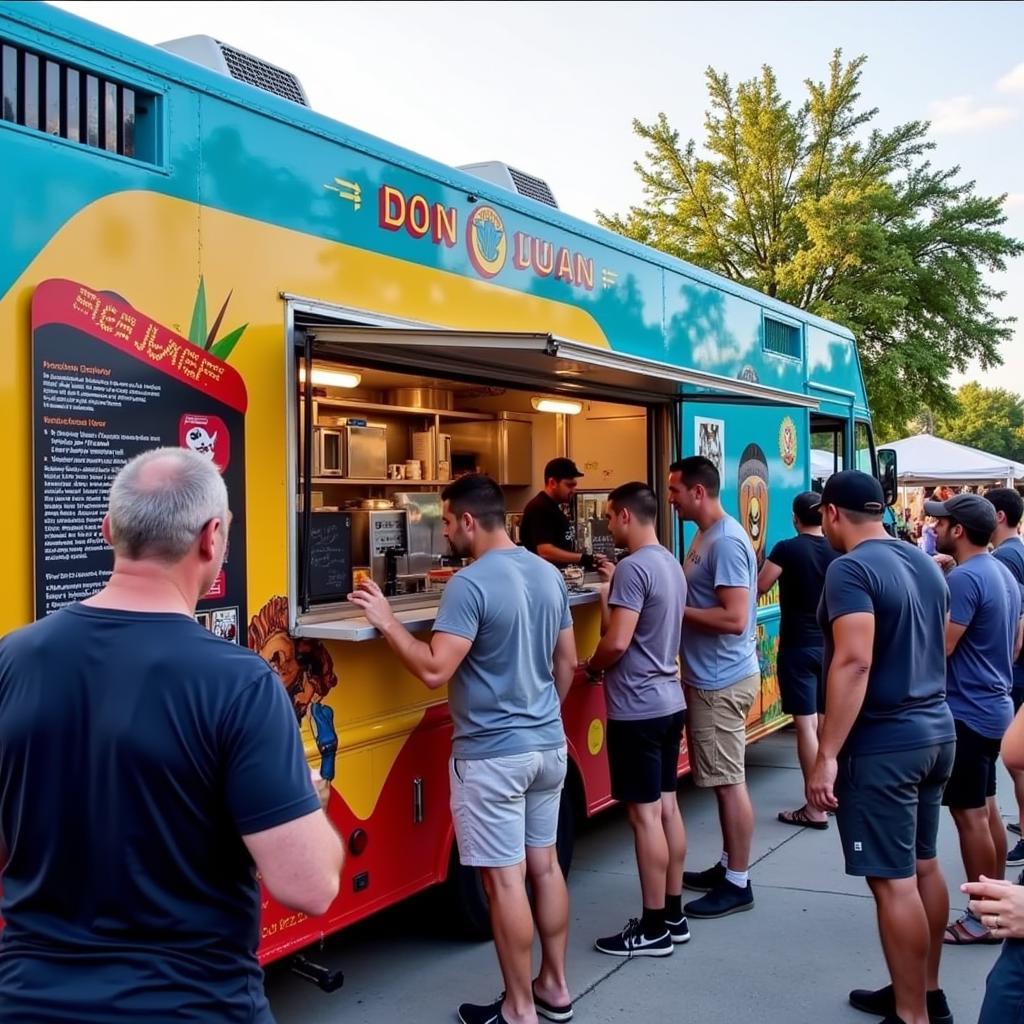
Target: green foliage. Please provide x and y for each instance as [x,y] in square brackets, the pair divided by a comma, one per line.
[812,206]
[198,334]
[222,349]
[197,329]
[991,419]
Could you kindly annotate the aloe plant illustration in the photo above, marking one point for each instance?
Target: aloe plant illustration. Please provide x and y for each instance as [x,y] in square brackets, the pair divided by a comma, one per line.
[198,334]
[489,236]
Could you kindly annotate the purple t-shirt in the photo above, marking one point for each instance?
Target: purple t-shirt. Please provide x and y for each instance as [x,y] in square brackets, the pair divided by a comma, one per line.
[644,682]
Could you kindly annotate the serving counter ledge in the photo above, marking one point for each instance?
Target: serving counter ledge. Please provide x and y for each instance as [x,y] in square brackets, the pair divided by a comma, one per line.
[357,628]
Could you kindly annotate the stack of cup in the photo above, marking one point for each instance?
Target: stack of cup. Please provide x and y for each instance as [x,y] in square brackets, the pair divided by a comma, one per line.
[414,469]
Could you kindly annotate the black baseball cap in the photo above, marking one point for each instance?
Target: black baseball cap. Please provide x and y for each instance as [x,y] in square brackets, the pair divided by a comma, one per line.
[970,510]
[561,469]
[854,491]
[806,503]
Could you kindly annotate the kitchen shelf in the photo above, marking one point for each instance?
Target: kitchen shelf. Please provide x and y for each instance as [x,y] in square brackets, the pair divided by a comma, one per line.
[380,407]
[366,481]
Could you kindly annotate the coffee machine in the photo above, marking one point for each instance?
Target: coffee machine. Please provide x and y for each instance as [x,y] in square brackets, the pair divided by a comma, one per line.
[379,541]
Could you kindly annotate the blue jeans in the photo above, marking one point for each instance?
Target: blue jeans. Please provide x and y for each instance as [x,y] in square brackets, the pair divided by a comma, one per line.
[1004,991]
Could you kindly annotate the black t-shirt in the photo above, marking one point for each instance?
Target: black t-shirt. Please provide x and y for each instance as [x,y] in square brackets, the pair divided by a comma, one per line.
[905,706]
[803,560]
[544,522]
[135,751]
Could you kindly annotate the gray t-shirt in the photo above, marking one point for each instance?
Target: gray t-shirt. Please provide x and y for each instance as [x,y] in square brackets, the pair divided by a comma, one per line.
[720,556]
[644,682]
[502,699]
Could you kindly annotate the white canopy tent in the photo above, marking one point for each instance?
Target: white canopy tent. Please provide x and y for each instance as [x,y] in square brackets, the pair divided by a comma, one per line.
[925,461]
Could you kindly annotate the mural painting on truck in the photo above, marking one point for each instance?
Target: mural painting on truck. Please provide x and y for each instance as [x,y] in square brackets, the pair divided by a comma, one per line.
[233,198]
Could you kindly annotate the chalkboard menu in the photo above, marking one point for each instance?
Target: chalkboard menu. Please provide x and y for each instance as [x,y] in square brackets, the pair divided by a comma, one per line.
[330,556]
[601,540]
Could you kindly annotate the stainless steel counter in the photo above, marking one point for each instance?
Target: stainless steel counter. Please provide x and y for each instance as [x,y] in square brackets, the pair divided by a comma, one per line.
[357,628]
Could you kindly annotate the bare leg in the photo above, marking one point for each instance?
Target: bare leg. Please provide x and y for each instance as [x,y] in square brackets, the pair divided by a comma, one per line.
[903,927]
[807,753]
[998,830]
[1018,789]
[935,896]
[551,912]
[675,835]
[512,923]
[737,816]
[976,846]
[652,853]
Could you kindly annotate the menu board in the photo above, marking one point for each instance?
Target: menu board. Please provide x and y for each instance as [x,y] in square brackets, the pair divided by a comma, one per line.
[330,562]
[108,384]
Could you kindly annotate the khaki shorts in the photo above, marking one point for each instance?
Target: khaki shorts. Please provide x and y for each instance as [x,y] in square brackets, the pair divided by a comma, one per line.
[501,805]
[717,731]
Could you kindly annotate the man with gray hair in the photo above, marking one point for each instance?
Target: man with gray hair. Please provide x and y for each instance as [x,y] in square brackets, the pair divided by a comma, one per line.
[148,770]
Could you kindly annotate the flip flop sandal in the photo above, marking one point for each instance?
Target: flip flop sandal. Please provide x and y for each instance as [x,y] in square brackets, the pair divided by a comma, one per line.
[958,935]
[800,819]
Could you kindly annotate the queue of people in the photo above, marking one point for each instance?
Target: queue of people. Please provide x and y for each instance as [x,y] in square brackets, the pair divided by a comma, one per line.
[899,678]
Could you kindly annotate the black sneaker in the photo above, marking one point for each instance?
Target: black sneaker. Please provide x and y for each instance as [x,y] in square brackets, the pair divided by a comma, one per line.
[631,942]
[679,931]
[1015,858]
[470,1013]
[723,900]
[882,1002]
[1014,827]
[551,1012]
[704,881]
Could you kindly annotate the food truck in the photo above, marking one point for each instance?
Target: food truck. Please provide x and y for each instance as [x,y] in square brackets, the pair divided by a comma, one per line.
[195,257]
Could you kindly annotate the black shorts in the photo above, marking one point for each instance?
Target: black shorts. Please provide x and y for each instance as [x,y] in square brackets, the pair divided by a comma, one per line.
[643,757]
[889,809]
[973,779]
[801,681]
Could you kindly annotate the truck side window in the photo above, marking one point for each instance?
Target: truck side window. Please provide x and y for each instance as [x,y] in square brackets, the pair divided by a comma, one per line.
[864,448]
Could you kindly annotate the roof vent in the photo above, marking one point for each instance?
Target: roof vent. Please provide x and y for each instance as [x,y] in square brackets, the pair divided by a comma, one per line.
[243,67]
[515,181]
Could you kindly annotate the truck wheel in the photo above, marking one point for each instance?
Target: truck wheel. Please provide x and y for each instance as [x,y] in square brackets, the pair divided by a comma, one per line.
[466,888]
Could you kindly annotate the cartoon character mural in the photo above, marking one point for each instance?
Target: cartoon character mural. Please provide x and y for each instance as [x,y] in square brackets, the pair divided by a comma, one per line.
[307,671]
[753,488]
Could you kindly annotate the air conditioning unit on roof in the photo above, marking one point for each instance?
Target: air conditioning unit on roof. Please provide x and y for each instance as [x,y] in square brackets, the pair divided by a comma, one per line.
[514,180]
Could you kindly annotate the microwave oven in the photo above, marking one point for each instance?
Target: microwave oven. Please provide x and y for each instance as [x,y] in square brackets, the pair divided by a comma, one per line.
[328,451]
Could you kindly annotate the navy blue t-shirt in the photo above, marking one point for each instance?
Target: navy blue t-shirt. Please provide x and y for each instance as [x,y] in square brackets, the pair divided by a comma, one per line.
[984,598]
[1011,554]
[905,706]
[803,560]
[135,751]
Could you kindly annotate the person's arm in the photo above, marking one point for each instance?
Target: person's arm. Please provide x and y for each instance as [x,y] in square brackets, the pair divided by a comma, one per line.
[433,661]
[268,792]
[768,576]
[853,637]
[616,639]
[564,662]
[558,556]
[299,862]
[730,616]
[964,599]
[1018,643]
[607,573]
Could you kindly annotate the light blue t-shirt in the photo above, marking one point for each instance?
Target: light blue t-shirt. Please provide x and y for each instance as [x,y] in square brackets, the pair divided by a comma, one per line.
[502,699]
[985,598]
[644,682]
[720,557]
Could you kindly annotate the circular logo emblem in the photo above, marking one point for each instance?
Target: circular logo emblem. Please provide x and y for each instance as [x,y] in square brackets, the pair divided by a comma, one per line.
[595,737]
[486,241]
[787,442]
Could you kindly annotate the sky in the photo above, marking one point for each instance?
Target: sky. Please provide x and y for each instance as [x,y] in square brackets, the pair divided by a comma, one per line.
[553,88]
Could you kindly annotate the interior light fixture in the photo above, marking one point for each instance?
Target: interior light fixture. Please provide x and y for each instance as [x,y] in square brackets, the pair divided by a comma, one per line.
[332,378]
[565,406]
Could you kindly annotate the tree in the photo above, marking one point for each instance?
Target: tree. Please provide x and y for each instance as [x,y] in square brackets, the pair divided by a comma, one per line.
[853,224]
[991,419]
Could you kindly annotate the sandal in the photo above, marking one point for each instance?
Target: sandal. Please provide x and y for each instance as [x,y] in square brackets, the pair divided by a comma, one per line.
[800,819]
[957,934]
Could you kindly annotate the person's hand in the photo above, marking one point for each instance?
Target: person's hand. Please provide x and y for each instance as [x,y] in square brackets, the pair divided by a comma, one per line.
[605,569]
[821,785]
[999,905]
[593,675]
[944,562]
[370,598]
[322,787]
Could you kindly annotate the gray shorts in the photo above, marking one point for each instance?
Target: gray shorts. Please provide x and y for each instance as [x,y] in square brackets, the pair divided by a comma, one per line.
[501,805]
[889,808]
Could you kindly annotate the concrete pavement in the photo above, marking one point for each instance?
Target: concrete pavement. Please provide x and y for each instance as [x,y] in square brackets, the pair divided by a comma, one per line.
[810,938]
